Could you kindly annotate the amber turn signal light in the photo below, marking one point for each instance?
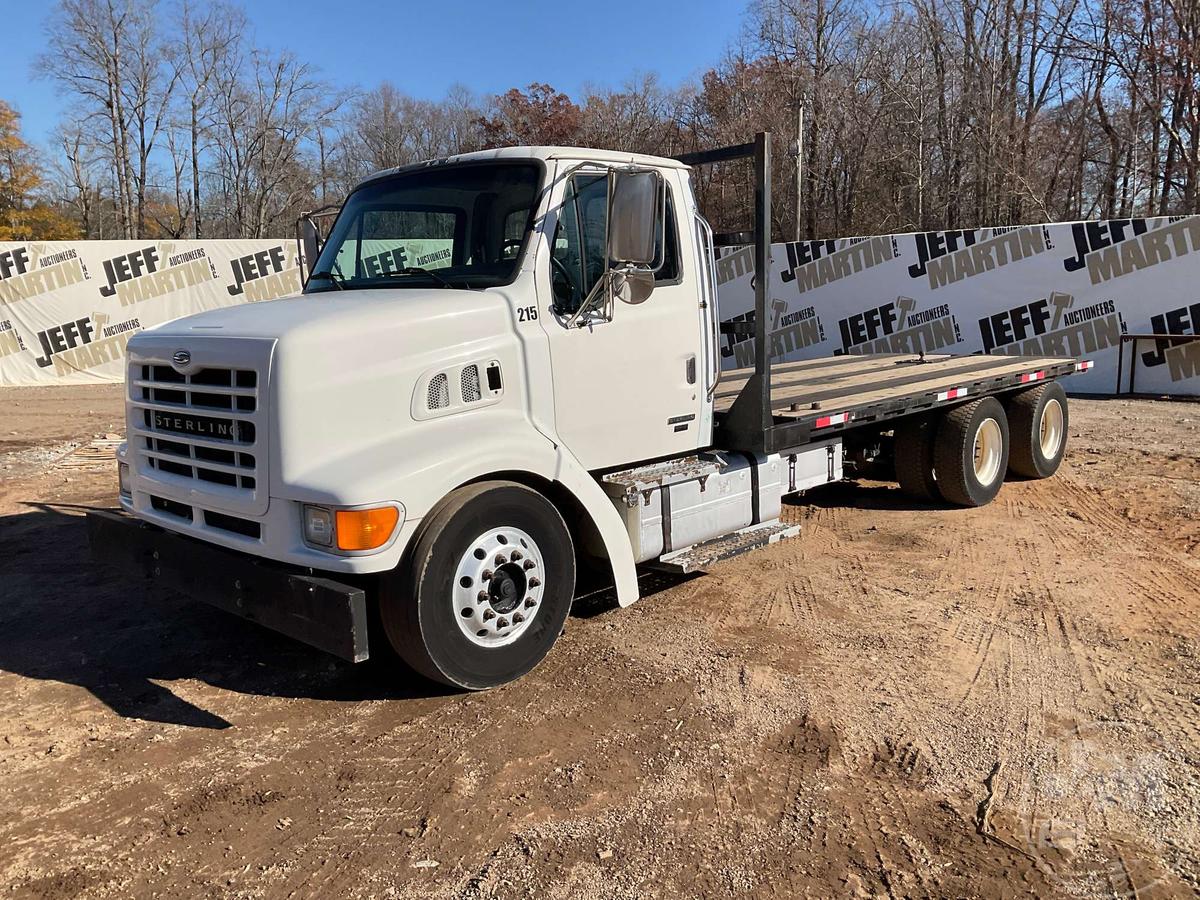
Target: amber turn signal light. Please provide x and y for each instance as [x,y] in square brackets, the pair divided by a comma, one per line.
[365,529]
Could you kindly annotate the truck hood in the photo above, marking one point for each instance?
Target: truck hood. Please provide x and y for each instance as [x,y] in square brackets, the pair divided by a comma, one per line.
[351,312]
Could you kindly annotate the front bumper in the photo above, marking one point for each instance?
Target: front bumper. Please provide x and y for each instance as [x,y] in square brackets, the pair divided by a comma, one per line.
[325,614]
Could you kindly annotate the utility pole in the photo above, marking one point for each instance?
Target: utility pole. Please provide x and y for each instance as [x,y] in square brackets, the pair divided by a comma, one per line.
[799,168]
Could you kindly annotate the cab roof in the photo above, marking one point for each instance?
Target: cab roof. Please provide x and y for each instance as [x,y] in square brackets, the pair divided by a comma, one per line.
[579,154]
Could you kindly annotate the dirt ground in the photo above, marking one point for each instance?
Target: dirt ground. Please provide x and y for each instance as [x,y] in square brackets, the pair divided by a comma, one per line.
[900,702]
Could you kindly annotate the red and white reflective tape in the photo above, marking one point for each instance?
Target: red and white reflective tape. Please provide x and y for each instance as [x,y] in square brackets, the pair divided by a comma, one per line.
[826,421]
[1032,376]
[954,394]
[1085,365]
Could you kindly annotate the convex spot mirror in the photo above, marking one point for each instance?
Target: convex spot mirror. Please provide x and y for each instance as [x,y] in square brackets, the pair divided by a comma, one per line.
[635,205]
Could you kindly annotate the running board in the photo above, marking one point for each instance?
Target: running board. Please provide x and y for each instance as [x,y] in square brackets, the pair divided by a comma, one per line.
[700,556]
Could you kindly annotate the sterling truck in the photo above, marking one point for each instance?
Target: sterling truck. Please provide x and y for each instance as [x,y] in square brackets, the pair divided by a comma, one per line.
[502,365]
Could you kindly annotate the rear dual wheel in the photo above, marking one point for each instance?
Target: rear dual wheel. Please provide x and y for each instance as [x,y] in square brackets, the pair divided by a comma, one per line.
[1038,421]
[487,590]
[971,452]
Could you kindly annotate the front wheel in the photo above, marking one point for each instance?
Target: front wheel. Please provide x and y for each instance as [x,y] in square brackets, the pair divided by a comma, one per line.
[488,588]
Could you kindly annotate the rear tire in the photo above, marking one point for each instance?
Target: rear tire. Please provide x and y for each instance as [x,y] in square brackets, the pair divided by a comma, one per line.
[915,438]
[1038,421]
[971,452]
[476,621]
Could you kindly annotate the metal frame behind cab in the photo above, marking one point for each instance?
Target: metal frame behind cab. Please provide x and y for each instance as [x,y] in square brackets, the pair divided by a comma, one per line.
[749,423]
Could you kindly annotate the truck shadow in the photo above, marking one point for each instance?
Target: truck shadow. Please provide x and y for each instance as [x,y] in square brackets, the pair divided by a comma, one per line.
[66,618]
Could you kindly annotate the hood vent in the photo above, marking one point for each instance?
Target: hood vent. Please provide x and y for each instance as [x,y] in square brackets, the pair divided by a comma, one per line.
[470,384]
[439,391]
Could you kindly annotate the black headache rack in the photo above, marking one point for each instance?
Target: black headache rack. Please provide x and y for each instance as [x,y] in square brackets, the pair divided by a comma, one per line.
[325,614]
[751,423]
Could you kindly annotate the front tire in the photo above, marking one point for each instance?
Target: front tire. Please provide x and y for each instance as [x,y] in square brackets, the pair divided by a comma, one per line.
[971,452]
[487,589]
[1038,420]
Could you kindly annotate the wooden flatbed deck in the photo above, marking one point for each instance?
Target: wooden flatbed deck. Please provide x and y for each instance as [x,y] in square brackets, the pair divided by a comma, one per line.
[840,390]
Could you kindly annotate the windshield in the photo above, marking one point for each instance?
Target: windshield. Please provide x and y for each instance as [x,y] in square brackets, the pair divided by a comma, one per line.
[460,226]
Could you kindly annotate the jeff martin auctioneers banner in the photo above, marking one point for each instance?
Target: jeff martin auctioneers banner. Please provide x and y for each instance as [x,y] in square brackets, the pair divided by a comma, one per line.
[1067,289]
[68,308]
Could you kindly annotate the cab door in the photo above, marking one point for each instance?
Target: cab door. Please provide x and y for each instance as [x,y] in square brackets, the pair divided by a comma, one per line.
[627,387]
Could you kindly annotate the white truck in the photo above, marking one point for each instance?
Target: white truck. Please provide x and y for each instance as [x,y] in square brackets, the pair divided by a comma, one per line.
[502,364]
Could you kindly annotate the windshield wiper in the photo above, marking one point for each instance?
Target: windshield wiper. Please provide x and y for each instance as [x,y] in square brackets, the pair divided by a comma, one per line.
[418,270]
[331,277]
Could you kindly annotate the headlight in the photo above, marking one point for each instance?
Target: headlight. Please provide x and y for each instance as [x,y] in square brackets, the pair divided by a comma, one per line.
[123,479]
[350,529]
[318,526]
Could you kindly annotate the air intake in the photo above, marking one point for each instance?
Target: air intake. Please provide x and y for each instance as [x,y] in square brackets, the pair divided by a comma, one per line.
[470,384]
[439,391]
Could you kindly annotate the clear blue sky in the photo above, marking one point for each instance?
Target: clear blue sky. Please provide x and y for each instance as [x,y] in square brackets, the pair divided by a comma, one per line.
[423,48]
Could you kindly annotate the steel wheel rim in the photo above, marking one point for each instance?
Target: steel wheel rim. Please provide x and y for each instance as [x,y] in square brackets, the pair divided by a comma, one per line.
[988,450]
[1050,429]
[498,587]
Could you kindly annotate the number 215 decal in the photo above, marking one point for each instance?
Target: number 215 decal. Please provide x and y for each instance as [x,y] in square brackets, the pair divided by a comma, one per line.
[526,313]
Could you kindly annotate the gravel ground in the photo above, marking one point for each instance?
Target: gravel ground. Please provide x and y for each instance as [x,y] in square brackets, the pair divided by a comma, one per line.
[902,701]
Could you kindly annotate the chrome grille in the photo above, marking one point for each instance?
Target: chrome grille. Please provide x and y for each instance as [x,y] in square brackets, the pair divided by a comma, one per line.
[199,425]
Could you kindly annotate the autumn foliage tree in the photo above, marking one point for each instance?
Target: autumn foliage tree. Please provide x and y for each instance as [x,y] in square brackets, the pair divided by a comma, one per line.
[537,115]
[24,216]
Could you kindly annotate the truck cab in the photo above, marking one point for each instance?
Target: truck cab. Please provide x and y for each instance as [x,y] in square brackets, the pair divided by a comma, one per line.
[502,363]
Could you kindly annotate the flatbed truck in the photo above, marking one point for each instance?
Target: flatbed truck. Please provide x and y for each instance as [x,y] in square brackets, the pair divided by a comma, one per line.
[505,365]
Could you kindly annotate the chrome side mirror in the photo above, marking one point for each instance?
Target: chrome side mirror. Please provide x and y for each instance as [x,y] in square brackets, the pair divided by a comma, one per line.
[635,204]
[308,237]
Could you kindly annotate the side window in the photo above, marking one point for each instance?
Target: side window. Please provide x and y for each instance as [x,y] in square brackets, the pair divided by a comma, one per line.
[669,231]
[579,241]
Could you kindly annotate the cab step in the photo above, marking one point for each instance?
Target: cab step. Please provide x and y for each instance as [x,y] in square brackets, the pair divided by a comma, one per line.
[700,556]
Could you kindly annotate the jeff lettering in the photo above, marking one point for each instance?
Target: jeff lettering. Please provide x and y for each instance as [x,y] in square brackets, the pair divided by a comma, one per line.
[128,267]
[64,337]
[1092,236]
[1014,324]
[14,262]
[935,244]
[1184,320]
[255,266]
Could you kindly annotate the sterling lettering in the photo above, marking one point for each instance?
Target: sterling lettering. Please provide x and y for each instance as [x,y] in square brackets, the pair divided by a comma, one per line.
[125,268]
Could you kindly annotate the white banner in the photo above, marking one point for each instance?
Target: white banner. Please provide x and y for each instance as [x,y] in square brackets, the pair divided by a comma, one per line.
[1068,289]
[67,308]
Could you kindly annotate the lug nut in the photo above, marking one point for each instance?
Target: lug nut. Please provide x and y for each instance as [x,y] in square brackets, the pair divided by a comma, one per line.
[487,575]
[517,617]
[500,560]
[529,564]
[502,622]
[515,555]
[482,596]
[530,603]
[534,582]
[488,614]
